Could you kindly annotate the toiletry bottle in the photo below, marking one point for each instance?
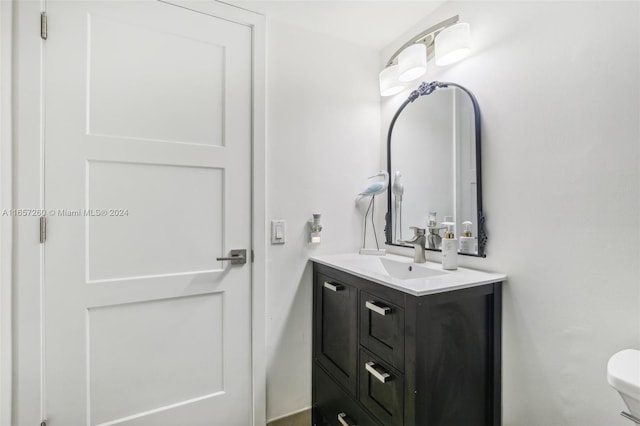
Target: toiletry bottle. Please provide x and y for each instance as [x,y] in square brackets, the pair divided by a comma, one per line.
[449,248]
[467,241]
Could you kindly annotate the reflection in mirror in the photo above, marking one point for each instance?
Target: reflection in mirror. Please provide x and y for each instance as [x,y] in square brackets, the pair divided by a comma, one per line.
[433,159]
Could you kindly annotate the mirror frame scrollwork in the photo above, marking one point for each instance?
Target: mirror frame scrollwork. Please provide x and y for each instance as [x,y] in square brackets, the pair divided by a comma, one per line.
[426,89]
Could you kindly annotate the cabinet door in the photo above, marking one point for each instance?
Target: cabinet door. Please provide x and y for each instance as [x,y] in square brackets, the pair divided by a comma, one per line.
[335,337]
[382,329]
[333,406]
[381,390]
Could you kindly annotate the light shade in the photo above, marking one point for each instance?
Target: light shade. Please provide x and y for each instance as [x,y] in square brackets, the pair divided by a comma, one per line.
[452,44]
[412,62]
[389,83]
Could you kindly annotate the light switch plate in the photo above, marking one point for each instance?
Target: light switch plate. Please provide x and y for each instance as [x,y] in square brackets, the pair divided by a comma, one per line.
[278,231]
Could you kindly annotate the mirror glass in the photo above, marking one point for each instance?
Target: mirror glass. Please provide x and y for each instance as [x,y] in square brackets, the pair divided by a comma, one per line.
[433,162]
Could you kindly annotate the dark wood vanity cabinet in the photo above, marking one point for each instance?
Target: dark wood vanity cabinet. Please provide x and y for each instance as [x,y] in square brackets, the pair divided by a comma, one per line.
[384,357]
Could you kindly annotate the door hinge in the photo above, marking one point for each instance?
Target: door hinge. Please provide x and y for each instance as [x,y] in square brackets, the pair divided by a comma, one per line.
[43,25]
[253,256]
[43,229]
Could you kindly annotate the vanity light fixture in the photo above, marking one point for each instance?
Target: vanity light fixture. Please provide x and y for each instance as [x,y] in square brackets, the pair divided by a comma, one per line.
[412,62]
[389,83]
[448,41]
[452,44]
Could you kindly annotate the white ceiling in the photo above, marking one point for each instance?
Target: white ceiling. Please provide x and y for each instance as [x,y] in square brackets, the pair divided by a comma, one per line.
[372,24]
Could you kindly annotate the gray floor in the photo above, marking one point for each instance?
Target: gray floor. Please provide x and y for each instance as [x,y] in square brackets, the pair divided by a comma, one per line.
[299,419]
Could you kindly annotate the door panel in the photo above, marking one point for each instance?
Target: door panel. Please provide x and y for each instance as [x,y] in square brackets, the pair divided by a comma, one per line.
[197,192]
[178,366]
[147,168]
[188,67]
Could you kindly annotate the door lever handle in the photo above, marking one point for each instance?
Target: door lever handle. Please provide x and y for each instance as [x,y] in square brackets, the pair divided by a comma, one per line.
[238,257]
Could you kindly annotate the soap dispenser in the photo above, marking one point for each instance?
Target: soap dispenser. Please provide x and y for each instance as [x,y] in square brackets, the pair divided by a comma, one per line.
[314,236]
[449,248]
[467,240]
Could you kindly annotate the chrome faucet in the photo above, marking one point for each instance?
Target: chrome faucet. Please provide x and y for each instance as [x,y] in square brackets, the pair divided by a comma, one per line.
[419,241]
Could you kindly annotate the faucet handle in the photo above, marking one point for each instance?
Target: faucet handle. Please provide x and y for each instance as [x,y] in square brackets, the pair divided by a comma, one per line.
[417,231]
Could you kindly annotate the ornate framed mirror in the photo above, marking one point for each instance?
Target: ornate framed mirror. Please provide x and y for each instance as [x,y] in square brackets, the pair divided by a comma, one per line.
[434,165]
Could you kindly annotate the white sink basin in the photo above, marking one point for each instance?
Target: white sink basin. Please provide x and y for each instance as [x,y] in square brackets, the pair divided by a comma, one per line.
[401,273]
[408,271]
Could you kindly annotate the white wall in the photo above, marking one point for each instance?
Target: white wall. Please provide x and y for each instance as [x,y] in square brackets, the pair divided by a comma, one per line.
[558,85]
[323,120]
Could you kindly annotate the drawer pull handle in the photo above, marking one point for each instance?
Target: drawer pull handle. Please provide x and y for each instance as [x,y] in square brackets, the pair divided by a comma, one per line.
[383,376]
[382,310]
[345,420]
[333,287]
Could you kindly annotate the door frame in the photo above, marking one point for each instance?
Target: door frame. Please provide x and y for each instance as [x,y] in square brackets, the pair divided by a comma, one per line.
[21,141]
[6,223]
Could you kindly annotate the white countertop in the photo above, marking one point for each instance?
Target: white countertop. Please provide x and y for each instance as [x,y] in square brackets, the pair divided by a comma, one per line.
[397,272]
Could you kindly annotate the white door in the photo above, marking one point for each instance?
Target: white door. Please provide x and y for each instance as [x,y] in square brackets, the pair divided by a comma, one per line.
[147,170]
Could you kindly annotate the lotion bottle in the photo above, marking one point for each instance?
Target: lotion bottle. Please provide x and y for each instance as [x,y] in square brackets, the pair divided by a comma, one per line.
[449,248]
[467,241]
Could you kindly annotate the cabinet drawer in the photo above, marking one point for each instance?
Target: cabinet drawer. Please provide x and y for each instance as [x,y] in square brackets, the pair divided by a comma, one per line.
[335,336]
[381,390]
[334,407]
[382,329]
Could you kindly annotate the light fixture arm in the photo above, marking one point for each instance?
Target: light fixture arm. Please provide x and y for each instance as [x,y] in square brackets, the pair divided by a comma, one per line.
[427,36]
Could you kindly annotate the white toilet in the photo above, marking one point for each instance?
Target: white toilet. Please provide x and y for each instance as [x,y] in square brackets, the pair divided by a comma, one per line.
[623,374]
